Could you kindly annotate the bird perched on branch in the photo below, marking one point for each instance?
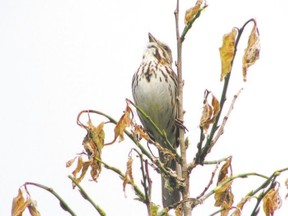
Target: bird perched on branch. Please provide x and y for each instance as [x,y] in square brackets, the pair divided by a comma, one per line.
[154,88]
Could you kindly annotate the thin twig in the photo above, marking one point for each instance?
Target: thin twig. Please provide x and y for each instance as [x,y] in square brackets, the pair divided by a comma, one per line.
[141,196]
[225,119]
[185,175]
[209,183]
[63,204]
[86,197]
[145,182]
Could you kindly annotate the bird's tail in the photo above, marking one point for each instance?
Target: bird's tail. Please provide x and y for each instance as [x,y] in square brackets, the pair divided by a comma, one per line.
[170,191]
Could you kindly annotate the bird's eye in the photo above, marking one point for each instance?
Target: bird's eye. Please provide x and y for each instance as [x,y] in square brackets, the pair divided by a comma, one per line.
[166,48]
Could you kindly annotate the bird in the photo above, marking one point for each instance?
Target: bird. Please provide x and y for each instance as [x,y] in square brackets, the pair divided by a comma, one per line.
[154,90]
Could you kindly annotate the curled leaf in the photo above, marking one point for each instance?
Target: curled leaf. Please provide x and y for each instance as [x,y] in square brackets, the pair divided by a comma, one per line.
[140,133]
[191,12]
[33,208]
[210,111]
[240,205]
[252,51]
[128,178]
[123,123]
[19,204]
[78,167]
[227,52]
[271,201]
[70,162]
[223,194]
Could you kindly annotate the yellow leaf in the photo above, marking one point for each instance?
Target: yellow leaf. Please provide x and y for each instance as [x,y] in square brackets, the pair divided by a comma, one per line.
[97,135]
[19,204]
[78,167]
[128,178]
[190,13]
[84,169]
[227,52]
[252,51]
[271,202]
[123,123]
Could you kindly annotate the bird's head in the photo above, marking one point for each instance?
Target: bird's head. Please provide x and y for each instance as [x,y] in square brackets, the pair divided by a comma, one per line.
[158,50]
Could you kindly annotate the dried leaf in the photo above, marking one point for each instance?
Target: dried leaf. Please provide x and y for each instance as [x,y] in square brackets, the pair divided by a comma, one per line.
[95,169]
[98,135]
[70,162]
[252,51]
[140,133]
[19,204]
[123,123]
[128,178]
[78,167]
[223,174]
[271,201]
[206,116]
[209,112]
[223,195]
[190,13]
[216,108]
[32,208]
[227,52]
[84,169]
[286,184]
[240,205]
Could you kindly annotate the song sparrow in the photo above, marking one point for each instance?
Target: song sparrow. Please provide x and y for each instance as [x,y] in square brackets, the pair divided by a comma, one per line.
[154,88]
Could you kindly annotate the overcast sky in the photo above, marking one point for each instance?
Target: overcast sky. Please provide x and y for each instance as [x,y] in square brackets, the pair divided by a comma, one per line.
[59,57]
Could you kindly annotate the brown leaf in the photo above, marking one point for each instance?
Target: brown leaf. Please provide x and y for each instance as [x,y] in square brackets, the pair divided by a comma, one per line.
[95,169]
[216,108]
[209,112]
[140,133]
[252,51]
[240,205]
[122,124]
[271,201]
[223,174]
[227,52]
[206,116]
[84,169]
[223,194]
[19,204]
[190,13]
[128,178]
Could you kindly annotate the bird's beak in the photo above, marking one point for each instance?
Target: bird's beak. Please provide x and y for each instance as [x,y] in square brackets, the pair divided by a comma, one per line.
[151,38]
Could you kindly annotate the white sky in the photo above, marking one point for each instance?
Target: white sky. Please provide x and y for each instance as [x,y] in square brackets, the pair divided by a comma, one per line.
[58,57]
